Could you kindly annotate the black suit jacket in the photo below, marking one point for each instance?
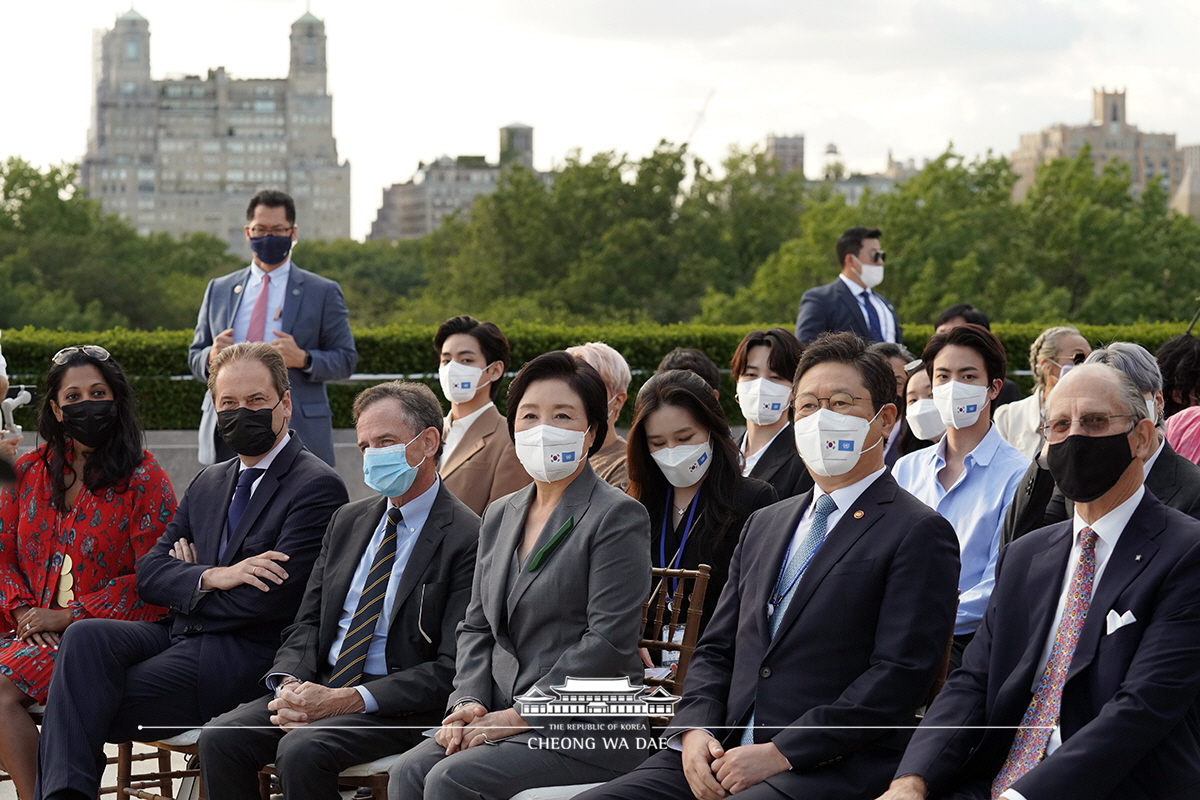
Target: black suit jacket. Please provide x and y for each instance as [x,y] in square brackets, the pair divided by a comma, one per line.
[1129,722]
[833,307]
[431,599]
[781,466]
[1173,479]
[859,645]
[237,630]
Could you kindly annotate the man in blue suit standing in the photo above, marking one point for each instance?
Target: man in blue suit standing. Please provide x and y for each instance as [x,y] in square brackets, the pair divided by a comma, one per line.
[302,314]
[848,304]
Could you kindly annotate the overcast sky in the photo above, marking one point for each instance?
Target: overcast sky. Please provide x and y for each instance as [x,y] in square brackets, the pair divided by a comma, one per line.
[412,81]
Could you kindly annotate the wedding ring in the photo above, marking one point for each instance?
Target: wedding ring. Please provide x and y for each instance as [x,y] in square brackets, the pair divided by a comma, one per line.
[486,740]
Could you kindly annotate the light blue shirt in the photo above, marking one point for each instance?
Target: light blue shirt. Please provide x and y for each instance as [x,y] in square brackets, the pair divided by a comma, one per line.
[275,298]
[975,505]
[415,513]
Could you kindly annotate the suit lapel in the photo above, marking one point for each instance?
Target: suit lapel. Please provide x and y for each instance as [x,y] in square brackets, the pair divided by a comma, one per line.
[236,292]
[776,455]
[473,440]
[573,505]
[207,547]
[1162,480]
[849,529]
[512,525]
[428,540]
[337,581]
[292,298]
[850,302]
[1133,552]
[267,486]
[1043,585]
[774,553]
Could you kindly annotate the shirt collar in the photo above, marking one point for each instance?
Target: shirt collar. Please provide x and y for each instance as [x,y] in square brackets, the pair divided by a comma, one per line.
[1149,465]
[420,506]
[845,497]
[854,287]
[279,273]
[981,455]
[1109,526]
[462,423]
[266,461]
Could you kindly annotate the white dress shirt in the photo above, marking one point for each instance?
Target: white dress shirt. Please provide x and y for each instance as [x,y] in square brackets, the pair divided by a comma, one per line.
[454,431]
[887,320]
[750,460]
[275,299]
[1108,530]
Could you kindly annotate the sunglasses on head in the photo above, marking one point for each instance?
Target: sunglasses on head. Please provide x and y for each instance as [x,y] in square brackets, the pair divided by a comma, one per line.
[93,350]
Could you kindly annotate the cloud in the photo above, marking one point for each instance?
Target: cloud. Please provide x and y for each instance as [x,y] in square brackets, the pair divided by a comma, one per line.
[990,26]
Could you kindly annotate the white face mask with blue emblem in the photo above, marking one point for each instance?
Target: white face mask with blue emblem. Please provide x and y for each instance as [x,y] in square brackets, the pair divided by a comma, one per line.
[831,443]
[684,465]
[549,453]
[762,401]
[960,404]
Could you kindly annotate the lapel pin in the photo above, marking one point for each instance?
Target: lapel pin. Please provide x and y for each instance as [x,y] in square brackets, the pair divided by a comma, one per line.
[1138,557]
[237,290]
[295,291]
[858,514]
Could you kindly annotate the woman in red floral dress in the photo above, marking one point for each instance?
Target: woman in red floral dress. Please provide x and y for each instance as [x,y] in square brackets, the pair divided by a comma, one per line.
[87,504]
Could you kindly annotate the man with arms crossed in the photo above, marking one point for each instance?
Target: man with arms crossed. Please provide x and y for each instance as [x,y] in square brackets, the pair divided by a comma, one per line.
[344,692]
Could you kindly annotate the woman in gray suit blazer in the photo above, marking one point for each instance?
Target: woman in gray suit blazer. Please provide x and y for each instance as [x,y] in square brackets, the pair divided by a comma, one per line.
[564,565]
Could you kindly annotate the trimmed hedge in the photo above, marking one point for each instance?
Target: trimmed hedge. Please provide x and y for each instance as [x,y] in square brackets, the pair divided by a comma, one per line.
[153,358]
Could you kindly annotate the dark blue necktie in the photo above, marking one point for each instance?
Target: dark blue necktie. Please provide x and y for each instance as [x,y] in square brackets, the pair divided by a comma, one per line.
[237,506]
[872,316]
[352,658]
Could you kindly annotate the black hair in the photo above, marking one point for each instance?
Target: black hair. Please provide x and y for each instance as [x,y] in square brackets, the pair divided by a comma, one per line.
[1179,361]
[785,352]
[850,348]
[964,311]
[850,243]
[113,462]
[692,360]
[491,341]
[273,198]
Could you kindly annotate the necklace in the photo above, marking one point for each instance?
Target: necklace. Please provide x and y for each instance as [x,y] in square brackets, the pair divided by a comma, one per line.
[681,511]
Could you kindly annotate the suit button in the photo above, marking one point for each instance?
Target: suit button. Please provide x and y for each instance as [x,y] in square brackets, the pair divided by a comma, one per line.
[765,672]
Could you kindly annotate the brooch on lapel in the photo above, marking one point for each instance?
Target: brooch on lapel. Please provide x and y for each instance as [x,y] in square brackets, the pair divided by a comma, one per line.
[540,557]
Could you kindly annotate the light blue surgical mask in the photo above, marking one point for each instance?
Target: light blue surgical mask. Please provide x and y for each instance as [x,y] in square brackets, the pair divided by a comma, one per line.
[387,471]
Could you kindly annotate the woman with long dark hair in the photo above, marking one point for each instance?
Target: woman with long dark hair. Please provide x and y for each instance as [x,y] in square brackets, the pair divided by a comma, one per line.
[87,504]
[686,470]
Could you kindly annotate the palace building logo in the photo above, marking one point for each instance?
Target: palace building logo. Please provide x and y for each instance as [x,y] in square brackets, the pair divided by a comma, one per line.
[597,697]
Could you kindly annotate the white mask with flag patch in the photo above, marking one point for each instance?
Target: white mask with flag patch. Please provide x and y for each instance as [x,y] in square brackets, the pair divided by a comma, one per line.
[960,404]
[762,401]
[684,465]
[548,453]
[459,381]
[831,443]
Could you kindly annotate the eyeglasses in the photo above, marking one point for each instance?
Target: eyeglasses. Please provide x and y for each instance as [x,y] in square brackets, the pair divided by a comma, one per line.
[280,230]
[94,350]
[838,402]
[1057,430]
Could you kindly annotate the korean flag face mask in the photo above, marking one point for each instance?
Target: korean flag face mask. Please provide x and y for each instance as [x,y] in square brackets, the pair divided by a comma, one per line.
[831,443]
[960,404]
[460,382]
[685,464]
[762,401]
[548,453]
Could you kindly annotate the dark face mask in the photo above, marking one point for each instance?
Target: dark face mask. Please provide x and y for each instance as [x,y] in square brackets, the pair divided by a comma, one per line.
[1085,467]
[90,422]
[248,432]
[271,249]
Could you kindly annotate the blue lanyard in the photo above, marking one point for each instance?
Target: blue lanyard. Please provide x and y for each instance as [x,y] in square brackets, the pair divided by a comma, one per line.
[687,531]
[777,595]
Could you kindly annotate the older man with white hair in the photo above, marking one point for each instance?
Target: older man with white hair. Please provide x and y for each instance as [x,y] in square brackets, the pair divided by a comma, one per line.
[1170,477]
[1082,680]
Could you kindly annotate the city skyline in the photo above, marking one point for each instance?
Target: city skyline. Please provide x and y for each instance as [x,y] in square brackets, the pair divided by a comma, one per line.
[413,83]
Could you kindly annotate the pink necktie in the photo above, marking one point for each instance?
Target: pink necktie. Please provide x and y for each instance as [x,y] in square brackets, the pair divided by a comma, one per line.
[258,317]
[1029,745]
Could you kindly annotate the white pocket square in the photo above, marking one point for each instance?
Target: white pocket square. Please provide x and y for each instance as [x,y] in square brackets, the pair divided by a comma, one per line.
[1116,621]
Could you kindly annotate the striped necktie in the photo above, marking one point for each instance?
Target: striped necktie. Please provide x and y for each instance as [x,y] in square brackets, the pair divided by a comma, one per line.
[353,656]
[872,315]
[1029,745]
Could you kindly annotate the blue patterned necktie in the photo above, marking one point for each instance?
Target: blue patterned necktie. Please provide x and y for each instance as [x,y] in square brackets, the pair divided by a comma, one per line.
[237,506]
[352,658]
[792,573]
[872,315]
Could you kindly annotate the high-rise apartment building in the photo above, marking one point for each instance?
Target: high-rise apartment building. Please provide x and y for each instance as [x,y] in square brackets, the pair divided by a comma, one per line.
[447,185]
[787,151]
[184,154]
[1151,156]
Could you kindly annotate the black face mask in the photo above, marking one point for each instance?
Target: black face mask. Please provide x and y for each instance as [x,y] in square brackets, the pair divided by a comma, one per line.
[1085,467]
[90,422]
[248,432]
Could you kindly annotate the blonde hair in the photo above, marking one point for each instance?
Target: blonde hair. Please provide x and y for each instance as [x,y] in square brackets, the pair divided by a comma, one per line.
[1047,345]
[608,362]
[261,352]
